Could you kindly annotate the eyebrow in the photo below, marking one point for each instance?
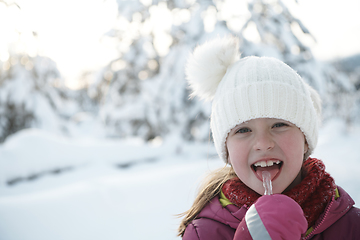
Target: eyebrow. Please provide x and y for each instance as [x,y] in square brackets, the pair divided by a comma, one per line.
[243,123]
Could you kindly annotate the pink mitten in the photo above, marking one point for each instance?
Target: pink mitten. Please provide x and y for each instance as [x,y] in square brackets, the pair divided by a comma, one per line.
[272,217]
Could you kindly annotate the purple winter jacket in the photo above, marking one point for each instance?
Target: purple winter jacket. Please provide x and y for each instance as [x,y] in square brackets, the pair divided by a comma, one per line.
[340,220]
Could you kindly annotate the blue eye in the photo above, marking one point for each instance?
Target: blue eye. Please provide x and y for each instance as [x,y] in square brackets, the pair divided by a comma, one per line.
[280,124]
[243,130]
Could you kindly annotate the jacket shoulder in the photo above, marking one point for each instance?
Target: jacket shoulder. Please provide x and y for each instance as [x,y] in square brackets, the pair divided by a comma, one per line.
[215,222]
[343,220]
[347,227]
[351,222]
[208,229]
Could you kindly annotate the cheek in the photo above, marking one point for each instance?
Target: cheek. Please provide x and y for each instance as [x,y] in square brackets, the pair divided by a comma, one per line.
[294,143]
[236,151]
[238,157]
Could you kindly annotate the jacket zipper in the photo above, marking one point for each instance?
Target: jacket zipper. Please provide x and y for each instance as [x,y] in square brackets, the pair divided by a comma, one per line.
[322,221]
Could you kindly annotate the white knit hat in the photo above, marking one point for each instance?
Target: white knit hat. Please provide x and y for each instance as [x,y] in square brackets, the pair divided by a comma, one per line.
[250,88]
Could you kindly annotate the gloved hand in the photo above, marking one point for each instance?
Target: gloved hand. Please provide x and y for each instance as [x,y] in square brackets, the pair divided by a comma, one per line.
[272,217]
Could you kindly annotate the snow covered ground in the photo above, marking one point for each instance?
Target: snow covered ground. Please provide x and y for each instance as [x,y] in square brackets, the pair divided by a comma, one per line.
[56,188]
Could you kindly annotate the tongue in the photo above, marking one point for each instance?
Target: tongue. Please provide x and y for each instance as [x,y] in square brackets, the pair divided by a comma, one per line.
[273,170]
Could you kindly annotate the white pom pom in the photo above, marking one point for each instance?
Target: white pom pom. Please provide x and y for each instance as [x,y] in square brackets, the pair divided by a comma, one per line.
[208,64]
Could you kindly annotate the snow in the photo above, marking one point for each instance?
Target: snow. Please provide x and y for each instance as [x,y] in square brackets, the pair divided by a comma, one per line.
[117,189]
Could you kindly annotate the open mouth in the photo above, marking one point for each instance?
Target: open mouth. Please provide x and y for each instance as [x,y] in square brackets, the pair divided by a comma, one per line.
[272,166]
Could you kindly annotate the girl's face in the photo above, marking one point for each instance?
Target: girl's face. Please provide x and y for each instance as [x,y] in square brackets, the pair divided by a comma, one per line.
[267,144]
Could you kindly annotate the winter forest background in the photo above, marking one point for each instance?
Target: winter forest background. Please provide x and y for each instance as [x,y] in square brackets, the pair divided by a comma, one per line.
[119,156]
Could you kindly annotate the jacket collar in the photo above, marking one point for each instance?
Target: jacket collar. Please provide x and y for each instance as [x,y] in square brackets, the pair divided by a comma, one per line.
[336,208]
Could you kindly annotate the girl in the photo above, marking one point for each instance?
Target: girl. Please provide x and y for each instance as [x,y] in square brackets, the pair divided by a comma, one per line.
[264,120]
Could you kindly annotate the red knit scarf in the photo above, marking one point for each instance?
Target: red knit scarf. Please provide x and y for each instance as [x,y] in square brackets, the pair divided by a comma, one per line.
[312,194]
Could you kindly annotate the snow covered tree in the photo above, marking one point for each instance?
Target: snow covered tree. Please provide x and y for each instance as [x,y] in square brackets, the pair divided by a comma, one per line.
[346,98]
[144,92]
[32,93]
[29,95]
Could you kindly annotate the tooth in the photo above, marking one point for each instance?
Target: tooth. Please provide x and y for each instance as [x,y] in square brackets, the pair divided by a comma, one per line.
[263,164]
[270,163]
[277,162]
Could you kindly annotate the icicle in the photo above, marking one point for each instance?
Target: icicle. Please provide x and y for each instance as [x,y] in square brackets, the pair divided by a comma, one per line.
[266,176]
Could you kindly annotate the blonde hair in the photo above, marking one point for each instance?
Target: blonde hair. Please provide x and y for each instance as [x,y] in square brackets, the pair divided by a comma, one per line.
[210,188]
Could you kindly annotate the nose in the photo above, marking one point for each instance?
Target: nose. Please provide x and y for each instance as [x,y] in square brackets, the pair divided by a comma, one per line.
[263,142]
